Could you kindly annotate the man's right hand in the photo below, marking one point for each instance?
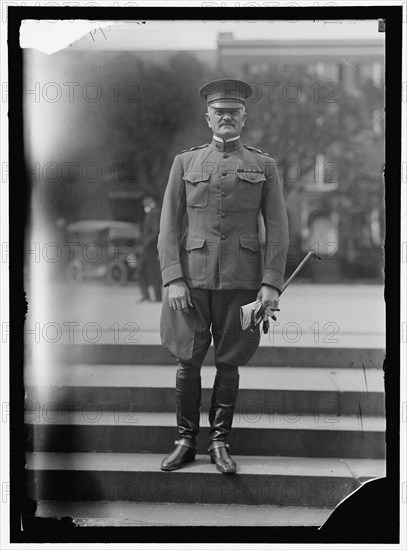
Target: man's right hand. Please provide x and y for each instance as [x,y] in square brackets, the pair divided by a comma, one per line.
[179,296]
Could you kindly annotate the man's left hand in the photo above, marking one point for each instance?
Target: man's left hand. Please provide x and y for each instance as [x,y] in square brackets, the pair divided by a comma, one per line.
[269,297]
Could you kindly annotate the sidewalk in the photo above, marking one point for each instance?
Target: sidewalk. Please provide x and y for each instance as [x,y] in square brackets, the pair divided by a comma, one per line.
[311,315]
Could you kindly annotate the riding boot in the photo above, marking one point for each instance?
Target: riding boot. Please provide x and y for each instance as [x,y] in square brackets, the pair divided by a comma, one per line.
[221,412]
[188,393]
[185,451]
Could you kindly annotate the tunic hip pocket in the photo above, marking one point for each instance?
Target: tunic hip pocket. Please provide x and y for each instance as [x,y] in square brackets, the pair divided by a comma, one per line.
[194,258]
[250,267]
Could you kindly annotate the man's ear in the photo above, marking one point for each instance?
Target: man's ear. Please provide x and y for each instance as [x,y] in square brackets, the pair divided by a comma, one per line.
[244,118]
[208,119]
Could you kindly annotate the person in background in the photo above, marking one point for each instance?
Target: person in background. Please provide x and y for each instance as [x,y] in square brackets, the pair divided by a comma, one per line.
[149,266]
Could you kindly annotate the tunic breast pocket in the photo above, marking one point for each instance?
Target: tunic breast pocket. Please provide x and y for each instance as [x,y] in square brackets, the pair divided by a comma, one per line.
[197,189]
[249,189]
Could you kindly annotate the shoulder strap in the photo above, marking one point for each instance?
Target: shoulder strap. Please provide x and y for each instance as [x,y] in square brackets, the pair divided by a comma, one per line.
[195,148]
[257,150]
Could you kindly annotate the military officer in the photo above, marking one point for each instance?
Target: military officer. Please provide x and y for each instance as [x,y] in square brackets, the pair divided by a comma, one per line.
[212,264]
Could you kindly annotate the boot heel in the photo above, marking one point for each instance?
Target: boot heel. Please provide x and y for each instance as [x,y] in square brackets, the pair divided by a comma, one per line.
[191,458]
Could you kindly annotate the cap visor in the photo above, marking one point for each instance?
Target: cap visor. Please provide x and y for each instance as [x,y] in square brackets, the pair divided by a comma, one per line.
[226,105]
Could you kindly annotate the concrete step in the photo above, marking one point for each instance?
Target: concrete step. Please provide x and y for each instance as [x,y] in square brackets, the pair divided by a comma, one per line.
[150,388]
[267,434]
[131,354]
[289,333]
[285,481]
[146,514]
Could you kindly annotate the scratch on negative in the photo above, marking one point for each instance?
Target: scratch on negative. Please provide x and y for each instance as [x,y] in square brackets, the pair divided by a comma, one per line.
[364,374]
[361,418]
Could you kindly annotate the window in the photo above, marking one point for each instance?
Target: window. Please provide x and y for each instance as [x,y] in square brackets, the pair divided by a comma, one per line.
[325,175]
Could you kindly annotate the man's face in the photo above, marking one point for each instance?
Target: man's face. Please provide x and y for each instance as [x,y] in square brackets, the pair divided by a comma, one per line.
[226,122]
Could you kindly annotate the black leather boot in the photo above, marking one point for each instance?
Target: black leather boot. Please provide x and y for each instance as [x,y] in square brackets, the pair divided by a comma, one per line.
[188,392]
[221,412]
[222,407]
[184,452]
[219,453]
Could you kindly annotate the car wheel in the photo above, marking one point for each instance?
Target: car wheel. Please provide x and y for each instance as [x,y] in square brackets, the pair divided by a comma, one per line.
[116,273]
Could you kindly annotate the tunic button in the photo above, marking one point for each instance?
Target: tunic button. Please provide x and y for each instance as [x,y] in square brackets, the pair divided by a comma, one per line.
[223,173]
[223,215]
[225,156]
[223,237]
[223,194]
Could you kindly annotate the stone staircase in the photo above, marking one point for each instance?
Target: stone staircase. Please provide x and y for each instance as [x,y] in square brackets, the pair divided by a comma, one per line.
[309,429]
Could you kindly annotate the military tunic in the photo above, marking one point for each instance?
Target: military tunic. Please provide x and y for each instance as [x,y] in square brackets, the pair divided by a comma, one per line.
[209,222]
[209,237]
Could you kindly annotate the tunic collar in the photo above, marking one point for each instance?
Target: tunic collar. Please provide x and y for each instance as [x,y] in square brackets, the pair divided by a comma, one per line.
[231,144]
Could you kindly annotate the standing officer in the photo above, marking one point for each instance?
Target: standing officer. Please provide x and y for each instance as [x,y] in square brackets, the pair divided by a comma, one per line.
[212,264]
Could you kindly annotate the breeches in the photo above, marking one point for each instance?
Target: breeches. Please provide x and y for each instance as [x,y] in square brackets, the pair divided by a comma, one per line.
[216,313]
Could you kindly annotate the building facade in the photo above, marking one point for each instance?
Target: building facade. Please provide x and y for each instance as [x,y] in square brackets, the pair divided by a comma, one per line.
[350,240]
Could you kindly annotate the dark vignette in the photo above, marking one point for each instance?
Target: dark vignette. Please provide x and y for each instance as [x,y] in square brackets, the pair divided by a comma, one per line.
[371,515]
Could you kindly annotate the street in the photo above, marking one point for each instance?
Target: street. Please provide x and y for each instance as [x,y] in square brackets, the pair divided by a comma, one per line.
[321,315]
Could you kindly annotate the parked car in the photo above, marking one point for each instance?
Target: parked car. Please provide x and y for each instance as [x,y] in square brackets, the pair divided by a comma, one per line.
[104,249]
